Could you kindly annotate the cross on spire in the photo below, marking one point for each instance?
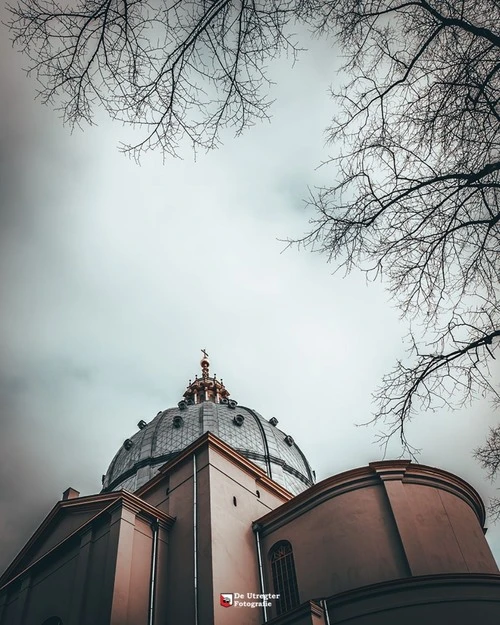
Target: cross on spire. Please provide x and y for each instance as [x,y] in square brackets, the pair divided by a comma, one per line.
[206,388]
[205,364]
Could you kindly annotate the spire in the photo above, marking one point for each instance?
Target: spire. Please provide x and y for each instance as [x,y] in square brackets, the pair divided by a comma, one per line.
[205,364]
[206,388]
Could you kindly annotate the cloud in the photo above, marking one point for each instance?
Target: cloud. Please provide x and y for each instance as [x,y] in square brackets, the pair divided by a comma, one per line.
[114,276]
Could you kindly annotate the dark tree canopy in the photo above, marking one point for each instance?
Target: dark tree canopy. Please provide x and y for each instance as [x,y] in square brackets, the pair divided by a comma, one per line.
[415,191]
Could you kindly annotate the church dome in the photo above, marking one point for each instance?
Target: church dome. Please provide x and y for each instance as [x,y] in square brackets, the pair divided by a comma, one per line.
[206,407]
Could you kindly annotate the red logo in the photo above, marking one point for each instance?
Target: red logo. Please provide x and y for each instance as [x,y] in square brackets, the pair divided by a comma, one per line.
[226,599]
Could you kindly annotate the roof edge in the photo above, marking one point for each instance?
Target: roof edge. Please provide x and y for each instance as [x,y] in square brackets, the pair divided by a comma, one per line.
[210,440]
[373,474]
[125,497]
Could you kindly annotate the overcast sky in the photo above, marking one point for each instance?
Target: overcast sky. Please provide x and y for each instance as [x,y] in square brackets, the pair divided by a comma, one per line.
[114,276]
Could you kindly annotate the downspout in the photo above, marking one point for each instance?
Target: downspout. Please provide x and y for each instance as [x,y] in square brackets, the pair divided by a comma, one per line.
[256,529]
[154,559]
[325,610]
[195,540]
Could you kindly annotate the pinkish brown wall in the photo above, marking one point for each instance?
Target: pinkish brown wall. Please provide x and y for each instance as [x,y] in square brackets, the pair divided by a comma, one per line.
[100,577]
[346,541]
[179,592]
[161,599]
[469,534]
[226,543]
[355,530]
[234,555]
[44,593]
[71,520]
[440,531]
[309,613]
[95,604]
[118,573]
[140,573]
[442,599]
[158,496]
[456,612]
[173,494]
[204,539]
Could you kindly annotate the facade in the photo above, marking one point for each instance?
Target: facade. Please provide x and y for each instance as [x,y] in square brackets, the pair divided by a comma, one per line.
[209,515]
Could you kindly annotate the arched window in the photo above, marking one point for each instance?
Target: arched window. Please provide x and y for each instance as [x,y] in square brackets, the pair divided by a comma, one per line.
[284,578]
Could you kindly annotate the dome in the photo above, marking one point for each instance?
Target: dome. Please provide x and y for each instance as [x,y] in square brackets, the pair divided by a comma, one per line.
[206,407]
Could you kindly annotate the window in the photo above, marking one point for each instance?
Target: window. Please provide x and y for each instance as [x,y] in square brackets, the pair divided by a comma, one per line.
[284,578]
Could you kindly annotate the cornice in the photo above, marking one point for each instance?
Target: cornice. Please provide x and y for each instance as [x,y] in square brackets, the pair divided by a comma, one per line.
[153,513]
[115,500]
[412,473]
[239,460]
[429,476]
[84,503]
[418,584]
[308,608]
[372,475]
[312,497]
[206,441]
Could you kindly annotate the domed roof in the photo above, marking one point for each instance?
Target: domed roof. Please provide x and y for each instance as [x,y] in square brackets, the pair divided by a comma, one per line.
[206,407]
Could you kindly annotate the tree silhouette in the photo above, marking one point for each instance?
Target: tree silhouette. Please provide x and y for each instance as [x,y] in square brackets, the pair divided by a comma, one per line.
[177,69]
[416,192]
[417,197]
[489,458]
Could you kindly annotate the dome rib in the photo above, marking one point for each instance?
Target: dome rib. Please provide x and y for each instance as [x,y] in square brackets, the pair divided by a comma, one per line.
[264,439]
[251,435]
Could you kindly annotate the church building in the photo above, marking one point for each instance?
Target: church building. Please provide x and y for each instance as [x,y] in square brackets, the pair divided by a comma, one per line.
[210,514]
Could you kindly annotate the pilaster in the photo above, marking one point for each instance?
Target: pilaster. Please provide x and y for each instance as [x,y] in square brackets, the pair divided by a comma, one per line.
[79,585]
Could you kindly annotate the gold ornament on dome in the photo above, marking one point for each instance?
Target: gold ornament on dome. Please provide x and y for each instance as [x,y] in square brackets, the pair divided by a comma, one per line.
[206,388]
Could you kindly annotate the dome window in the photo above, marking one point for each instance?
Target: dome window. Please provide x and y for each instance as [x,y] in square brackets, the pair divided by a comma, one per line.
[177,421]
[289,440]
[142,424]
[232,404]
[273,421]
[127,443]
[182,404]
[238,420]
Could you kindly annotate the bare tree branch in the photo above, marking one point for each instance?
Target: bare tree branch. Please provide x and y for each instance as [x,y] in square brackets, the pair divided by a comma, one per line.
[175,69]
[417,194]
[416,197]
[489,458]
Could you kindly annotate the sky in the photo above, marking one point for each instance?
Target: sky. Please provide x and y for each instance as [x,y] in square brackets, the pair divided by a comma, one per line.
[115,275]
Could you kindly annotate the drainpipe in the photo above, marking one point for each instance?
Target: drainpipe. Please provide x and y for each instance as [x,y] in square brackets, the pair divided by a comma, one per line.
[154,558]
[195,540]
[256,528]
[325,610]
